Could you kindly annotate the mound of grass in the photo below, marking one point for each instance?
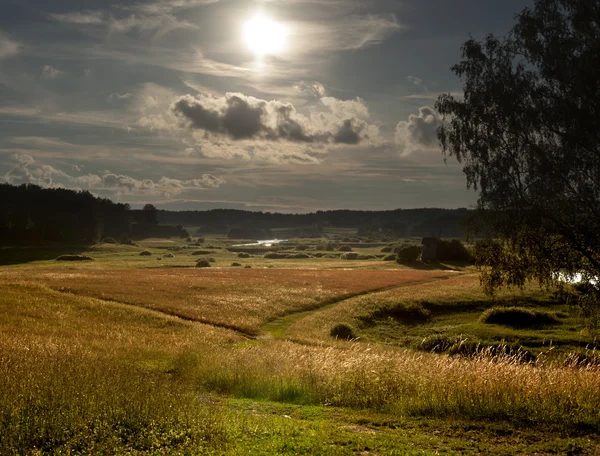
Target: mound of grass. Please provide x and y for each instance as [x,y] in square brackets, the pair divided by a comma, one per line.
[202,252]
[243,255]
[169,255]
[345,248]
[203,263]
[389,258]
[235,265]
[408,254]
[438,343]
[299,256]
[517,317]
[74,258]
[274,256]
[408,314]
[109,240]
[125,239]
[145,253]
[342,331]
[350,256]
[387,249]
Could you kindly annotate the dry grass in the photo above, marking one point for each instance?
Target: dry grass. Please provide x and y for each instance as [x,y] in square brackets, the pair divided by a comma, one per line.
[241,299]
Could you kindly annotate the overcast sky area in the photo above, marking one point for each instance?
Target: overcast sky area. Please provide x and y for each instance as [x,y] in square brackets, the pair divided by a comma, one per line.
[273,105]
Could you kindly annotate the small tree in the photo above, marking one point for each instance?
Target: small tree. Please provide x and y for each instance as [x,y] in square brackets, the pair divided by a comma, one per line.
[150,214]
[528,133]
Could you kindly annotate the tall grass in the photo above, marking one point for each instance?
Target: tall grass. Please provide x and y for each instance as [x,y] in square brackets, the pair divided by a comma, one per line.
[489,386]
[56,400]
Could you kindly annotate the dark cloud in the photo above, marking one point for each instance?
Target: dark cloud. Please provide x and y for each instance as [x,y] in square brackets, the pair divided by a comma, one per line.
[238,117]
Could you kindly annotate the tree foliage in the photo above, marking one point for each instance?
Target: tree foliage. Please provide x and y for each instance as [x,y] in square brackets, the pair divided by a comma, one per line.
[528,133]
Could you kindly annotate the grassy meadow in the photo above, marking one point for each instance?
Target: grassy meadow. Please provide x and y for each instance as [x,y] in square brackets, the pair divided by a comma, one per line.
[131,354]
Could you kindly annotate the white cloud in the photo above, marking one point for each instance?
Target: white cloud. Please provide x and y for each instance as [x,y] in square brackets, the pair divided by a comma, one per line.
[81,18]
[26,170]
[8,47]
[49,72]
[419,133]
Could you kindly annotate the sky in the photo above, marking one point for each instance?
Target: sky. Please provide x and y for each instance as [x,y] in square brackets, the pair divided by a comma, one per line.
[271,105]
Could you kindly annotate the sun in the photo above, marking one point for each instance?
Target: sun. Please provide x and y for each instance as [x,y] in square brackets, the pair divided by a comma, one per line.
[264,36]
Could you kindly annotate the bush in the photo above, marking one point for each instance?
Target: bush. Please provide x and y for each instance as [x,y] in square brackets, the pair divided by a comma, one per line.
[74,258]
[248,266]
[212,260]
[387,249]
[274,256]
[327,246]
[169,255]
[203,263]
[517,317]
[453,250]
[299,256]
[145,253]
[350,256]
[389,258]
[345,248]
[243,255]
[202,252]
[109,240]
[125,239]
[408,254]
[200,240]
[235,265]
[342,331]
[301,247]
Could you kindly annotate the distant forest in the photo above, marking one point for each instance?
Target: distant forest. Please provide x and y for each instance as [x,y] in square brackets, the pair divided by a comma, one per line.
[29,213]
[448,223]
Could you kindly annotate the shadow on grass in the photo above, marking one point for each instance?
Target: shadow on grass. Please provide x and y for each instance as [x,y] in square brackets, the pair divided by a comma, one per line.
[430,266]
[26,254]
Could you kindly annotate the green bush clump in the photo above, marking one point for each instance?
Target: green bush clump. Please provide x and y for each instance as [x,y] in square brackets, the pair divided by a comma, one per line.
[125,239]
[345,248]
[145,253]
[342,331]
[301,247]
[517,317]
[109,240]
[202,252]
[350,256]
[203,263]
[408,254]
[235,265]
[387,249]
[274,256]
[243,255]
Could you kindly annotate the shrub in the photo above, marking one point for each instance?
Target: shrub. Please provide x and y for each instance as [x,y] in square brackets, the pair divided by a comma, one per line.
[301,247]
[200,240]
[125,239]
[248,266]
[408,254]
[212,260]
[319,255]
[74,258]
[299,256]
[274,256]
[387,249]
[517,317]
[243,255]
[145,253]
[453,250]
[438,343]
[202,252]
[234,264]
[342,331]
[350,256]
[109,240]
[188,239]
[389,258]
[203,263]
[169,255]
[345,248]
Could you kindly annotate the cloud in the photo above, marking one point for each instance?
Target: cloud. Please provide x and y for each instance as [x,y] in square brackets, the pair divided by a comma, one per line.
[8,47]
[81,18]
[414,80]
[350,33]
[313,89]
[27,171]
[49,72]
[419,133]
[240,117]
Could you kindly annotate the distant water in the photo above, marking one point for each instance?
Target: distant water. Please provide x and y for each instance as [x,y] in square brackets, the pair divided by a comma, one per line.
[267,243]
[575,278]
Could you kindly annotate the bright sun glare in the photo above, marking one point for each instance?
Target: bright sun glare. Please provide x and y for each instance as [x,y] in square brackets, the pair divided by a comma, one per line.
[264,36]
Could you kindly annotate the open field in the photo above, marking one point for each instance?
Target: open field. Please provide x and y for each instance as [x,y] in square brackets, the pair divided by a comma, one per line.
[114,356]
